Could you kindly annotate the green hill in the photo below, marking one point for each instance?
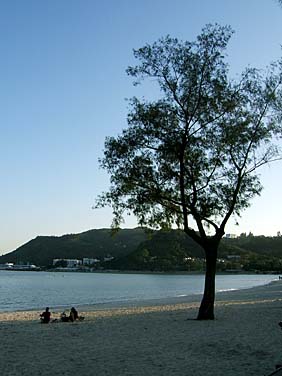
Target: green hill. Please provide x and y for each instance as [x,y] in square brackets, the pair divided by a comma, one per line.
[126,246]
[163,250]
[264,245]
[143,249]
[93,243]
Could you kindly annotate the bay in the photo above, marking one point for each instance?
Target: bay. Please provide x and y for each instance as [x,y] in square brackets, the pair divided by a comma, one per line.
[35,290]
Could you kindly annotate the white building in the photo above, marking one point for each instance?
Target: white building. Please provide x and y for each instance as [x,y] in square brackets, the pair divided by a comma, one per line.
[230,236]
[108,258]
[90,261]
[233,257]
[70,263]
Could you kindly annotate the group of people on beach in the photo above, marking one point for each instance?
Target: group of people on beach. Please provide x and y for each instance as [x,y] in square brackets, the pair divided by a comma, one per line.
[45,316]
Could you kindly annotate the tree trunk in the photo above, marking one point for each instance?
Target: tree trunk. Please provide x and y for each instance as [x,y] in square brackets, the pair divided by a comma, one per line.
[206,311]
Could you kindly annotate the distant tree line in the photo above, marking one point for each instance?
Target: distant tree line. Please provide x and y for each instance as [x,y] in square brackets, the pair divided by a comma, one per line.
[143,249]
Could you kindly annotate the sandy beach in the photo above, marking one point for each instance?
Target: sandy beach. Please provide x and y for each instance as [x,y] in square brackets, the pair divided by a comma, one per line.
[154,339]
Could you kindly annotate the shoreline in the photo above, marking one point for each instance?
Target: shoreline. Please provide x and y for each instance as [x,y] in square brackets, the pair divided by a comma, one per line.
[119,271]
[183,297]
[257,294]
[156,340]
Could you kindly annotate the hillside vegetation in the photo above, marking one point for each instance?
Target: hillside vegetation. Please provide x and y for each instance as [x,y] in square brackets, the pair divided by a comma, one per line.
[142,249]
[93,243]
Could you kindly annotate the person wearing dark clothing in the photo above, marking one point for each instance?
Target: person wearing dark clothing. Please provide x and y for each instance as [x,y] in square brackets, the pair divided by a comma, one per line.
[45,316]
[64,317]
[73,314]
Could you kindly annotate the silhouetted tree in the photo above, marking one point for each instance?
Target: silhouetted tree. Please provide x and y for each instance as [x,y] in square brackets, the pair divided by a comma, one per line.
[193,154]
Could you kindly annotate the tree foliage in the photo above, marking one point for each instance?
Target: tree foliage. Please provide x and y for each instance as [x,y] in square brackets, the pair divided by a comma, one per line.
[195,151]
[192,155]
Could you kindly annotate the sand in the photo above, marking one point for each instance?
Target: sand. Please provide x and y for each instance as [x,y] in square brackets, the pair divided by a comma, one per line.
[161,339]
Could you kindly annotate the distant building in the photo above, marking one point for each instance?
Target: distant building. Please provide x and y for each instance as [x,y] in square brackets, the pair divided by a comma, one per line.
[25,267]
[89,261]
[230,236]
[6,266]
[70,263]
[233,257]
[11,266]
[108,258]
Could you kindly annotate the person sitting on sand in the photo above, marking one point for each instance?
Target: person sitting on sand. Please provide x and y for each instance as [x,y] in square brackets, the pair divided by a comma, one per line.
[73,314]
[45,316]
[64,317]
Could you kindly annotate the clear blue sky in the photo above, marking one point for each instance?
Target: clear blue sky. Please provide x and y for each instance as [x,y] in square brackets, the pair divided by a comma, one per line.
[62,91]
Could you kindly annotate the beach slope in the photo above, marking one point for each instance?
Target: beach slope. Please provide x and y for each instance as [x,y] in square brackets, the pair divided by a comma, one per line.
[161,339]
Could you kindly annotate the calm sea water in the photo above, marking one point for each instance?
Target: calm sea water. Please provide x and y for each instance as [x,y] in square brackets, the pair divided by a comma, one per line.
[35,290]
